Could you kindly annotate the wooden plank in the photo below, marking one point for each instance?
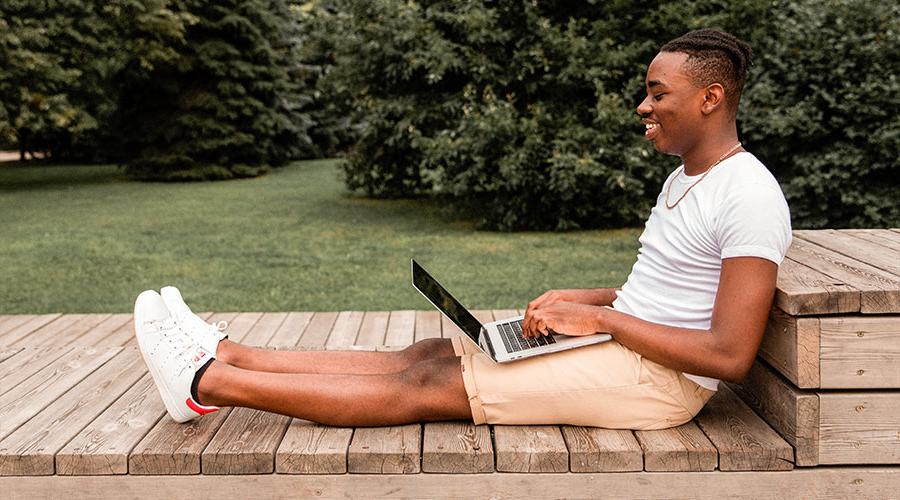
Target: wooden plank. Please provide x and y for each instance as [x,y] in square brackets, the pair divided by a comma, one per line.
[374,328]
[317,331]
[887,239]
[30,449]
[26,364]
[264,329]
[68,335]
[310,448]
[245,444]
[593,449]
[821,482]
[744,441]
[859,427]
[345,329]
[457,448]
[386,450]
[801,290]
[792,412]
[103,446]
[428,325]
[860,352]
[10,321]
[29,397]
[879,290]
[173,448]
[682,449]
[401,329]
[99,336]
[791,345]
[8,352]
[855,248]
[530,448]
[291,330]
[23,329]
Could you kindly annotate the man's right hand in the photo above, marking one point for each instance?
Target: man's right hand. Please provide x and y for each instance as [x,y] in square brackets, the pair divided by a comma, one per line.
[590,296]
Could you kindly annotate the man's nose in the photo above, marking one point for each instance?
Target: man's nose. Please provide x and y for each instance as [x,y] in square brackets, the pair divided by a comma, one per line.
[644,107]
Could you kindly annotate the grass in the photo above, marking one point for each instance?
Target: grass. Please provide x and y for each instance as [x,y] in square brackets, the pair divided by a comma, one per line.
[83,239]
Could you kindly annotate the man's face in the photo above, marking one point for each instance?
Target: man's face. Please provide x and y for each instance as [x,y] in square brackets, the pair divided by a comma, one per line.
[672,108]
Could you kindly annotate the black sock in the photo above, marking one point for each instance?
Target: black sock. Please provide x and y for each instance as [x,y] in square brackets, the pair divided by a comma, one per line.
[197,376]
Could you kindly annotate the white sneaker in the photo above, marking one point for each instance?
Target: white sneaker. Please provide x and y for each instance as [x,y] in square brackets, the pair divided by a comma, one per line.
[205,334]
[171,354]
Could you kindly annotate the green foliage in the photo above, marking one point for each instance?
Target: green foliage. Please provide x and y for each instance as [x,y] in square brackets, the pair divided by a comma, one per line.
[821,111]
[523,112]
[220,103]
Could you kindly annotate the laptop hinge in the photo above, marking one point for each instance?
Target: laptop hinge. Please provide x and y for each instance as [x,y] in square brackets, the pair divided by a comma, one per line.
[488,343]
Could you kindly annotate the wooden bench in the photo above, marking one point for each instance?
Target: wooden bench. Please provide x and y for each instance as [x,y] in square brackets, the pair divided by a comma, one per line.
[80,418]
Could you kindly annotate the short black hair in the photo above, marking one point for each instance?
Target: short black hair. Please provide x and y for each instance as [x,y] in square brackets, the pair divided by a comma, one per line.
[715,56]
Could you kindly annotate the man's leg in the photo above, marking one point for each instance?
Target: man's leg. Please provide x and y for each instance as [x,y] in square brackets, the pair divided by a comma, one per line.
[334,362]
[426,391]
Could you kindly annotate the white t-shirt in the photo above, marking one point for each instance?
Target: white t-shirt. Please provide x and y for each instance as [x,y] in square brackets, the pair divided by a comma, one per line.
[738,210]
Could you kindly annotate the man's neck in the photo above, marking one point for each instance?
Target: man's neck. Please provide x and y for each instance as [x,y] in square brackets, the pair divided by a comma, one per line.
[702,156]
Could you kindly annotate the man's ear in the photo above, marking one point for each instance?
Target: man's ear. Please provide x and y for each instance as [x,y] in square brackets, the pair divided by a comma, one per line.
[713,98]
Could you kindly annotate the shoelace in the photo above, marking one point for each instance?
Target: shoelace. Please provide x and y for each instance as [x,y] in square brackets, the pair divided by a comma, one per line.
[220,325]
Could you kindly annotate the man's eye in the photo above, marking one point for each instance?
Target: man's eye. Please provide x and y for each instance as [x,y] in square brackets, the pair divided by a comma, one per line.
[657,97]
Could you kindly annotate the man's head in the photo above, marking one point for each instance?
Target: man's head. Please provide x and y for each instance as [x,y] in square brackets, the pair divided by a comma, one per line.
[694,86]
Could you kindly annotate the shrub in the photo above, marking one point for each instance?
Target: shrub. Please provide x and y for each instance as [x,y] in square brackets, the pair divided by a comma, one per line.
[821,111]
[523,112]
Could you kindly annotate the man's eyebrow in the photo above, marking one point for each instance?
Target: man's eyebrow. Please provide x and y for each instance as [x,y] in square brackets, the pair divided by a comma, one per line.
[655,83]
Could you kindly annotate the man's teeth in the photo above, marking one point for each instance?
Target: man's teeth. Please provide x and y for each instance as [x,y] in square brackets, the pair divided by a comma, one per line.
[652,125]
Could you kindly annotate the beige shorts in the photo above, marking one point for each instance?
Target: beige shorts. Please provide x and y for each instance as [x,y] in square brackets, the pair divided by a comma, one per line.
[602,385]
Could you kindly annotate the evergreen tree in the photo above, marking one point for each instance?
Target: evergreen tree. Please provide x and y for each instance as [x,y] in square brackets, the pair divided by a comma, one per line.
[225,105]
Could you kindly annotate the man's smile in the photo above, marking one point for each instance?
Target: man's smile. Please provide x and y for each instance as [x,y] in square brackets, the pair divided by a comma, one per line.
[652,129]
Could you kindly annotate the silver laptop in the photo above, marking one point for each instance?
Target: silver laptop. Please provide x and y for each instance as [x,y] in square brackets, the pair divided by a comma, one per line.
[501,340]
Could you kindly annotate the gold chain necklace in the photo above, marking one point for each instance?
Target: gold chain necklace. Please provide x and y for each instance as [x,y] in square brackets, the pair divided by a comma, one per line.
[688,190]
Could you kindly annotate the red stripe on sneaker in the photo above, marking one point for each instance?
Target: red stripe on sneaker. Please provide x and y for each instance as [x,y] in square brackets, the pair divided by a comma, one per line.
[203,410]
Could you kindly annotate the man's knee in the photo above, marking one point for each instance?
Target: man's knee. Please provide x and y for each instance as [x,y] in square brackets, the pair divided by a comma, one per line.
[427,349]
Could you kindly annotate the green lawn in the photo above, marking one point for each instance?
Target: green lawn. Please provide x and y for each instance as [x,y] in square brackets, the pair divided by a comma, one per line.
[83,239]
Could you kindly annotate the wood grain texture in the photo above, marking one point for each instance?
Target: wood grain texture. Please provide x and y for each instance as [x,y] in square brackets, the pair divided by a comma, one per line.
[791,345]
[345,329]
[683,448]
[31,448]
[10,321]
[264,329]
[290,330]
[317,331]
[879,290]
[859,427]
[173,448]
[887,239]
[103,446]
[373,328]
[99,335]
[310,448]
[593,449]
[449,328]
[25,364]
[834,483]
[8,352]
[744,441]
[801,290]
[54,334]
[874,254]
[29,397]
[245,443]
[428,325]
[401,330]
[792,412]
[533,448]
[457,448]
[23,329]
[860,352]
[386,450]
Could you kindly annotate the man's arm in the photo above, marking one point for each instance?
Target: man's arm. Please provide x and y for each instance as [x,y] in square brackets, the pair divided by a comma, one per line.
[725,351]
[589,296]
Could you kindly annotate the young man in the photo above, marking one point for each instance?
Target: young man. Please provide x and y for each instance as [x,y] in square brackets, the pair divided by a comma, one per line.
[692,311]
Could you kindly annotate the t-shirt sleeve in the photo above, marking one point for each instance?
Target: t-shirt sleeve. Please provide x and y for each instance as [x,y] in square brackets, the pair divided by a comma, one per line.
[754,221]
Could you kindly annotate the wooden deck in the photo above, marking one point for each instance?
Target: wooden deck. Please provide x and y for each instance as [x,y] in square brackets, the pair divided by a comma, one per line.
[80,417]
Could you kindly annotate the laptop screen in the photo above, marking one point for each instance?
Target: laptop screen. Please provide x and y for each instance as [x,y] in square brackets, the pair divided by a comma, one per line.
[442,299]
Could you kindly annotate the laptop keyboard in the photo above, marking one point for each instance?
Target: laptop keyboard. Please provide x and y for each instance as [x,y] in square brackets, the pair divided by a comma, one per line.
[511,333]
